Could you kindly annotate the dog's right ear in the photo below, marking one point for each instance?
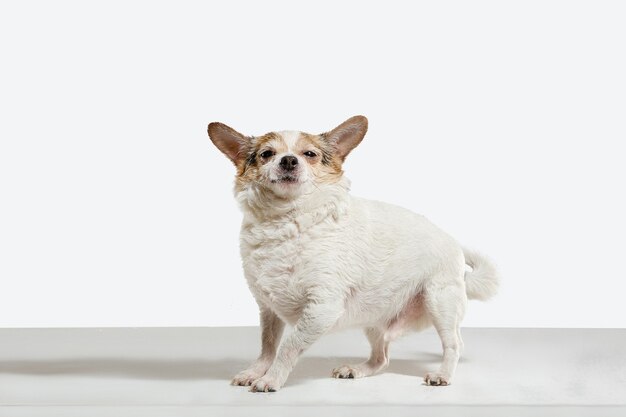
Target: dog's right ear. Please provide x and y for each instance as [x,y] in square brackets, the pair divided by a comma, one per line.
[232,143]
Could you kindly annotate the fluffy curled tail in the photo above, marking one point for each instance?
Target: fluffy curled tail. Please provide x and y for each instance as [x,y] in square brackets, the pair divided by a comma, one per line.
[482,281]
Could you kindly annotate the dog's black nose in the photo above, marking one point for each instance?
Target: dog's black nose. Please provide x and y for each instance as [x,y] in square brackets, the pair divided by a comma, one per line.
[288,163]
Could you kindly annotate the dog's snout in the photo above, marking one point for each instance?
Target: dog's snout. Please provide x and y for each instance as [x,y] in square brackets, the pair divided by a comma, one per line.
[289,162]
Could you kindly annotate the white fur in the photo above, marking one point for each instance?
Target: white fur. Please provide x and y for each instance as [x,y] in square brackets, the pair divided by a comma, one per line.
[321,260]
[290,137]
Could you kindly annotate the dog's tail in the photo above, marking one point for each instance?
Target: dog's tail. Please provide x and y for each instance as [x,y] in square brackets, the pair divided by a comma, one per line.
[482,281]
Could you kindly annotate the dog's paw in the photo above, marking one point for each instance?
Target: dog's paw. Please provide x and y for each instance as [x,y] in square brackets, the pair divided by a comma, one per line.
[245,378]
[436,379]
[264,384]
[347,372]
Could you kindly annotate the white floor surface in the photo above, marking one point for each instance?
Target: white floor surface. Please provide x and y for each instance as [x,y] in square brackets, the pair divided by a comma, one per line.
[186,372]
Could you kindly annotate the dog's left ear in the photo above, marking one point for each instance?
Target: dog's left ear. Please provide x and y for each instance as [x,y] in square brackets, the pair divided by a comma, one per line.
[347,135]
[232,143]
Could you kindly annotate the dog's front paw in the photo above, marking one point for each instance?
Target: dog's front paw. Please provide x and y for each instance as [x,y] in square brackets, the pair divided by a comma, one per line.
[265,384]
[346,372]
[436,379]
[245,378]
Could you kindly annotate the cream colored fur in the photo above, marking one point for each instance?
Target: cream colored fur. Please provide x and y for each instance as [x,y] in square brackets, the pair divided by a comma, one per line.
[321,260]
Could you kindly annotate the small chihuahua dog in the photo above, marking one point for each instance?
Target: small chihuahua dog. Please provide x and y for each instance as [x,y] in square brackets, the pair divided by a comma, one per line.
[321,260]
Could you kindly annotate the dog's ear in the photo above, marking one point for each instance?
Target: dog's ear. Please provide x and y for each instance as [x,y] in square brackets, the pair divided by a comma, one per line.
[232,143]
[347,135]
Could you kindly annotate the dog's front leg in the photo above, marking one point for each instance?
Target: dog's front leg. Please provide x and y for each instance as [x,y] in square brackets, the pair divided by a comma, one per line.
[316,319]
[271,331]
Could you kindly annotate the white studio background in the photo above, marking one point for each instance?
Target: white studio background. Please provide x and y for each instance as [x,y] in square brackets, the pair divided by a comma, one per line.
[503,122]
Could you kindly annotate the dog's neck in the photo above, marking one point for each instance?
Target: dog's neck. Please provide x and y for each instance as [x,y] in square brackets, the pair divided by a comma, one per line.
[260,204]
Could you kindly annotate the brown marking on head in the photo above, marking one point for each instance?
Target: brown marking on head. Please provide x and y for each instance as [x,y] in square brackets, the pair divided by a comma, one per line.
[325,163]
[335,147]
[249,171]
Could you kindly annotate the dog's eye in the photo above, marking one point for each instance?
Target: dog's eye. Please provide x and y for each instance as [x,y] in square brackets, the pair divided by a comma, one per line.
[310,154]
[267,154]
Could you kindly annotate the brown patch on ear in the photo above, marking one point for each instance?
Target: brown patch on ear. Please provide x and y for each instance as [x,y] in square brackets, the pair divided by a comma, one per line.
[232,143]
[347,135]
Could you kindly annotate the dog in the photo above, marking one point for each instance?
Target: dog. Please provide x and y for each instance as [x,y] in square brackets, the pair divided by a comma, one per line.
[319,259]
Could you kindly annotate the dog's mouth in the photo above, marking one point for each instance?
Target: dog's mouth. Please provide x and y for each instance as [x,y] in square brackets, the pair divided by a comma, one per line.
[285,179]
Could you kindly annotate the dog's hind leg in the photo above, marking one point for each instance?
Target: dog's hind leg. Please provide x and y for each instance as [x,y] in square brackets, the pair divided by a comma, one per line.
[446,307]
[378,360]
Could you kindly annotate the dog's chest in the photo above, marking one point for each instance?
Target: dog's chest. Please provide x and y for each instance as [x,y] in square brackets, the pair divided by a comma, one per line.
[276,258]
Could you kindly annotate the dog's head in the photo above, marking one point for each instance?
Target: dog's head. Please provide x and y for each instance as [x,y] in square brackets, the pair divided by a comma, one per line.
[289,163]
